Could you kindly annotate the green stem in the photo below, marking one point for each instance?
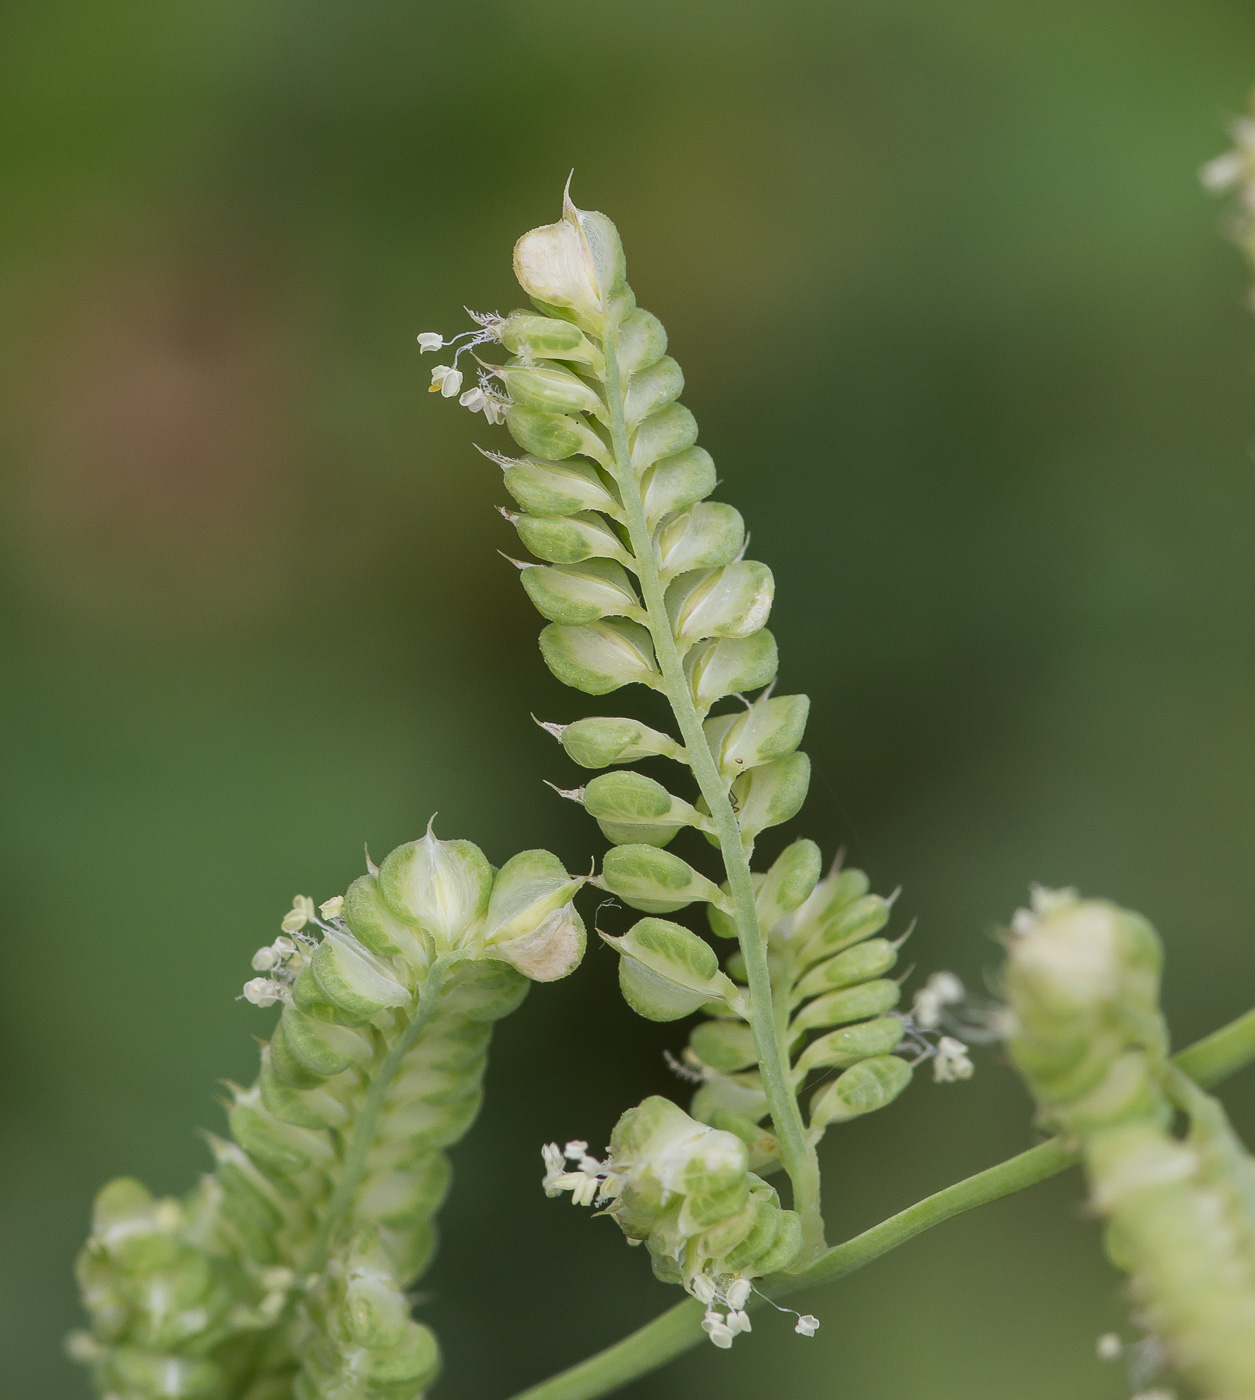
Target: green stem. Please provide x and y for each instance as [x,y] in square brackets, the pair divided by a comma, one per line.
[678,1329]
[796,1152]
[364,1128]
[1221,1053]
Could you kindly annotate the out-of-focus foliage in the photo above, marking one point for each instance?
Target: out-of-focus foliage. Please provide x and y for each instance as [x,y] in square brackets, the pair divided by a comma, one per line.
[968,352]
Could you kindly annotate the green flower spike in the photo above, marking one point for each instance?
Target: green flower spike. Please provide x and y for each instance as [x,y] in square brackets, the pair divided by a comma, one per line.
[1085,1030]
[284,1275]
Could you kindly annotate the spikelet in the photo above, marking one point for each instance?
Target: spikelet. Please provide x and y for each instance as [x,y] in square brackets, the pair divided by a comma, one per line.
[286,1270]
[1085,1030]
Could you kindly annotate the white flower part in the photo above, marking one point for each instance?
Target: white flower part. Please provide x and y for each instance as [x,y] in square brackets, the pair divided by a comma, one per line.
[430,340]
[582,1186]
[589,1182]
[952,1061]
[739,1321]
[1221,173]
[332,908]
[1044,902]
[475,399]
[1108,1347]
[446,381]
[555,1167]
[264,959]
[702,1287]
[284,946]
[941,990]
[718,1330]
[1235,167]
[738,1293]
[807,1325]
[263,991]
[301,912]
[495,410]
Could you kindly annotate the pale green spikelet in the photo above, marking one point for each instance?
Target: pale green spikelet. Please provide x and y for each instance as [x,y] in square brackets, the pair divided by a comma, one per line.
[283,1276]
[685,1190]
[643,580]
[1085,1030]
[830,970]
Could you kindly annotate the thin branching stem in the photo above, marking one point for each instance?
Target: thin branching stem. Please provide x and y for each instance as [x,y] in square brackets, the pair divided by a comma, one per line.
[1207,1061]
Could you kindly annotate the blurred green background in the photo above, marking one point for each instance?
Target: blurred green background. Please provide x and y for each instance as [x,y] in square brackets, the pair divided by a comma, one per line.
[974,363]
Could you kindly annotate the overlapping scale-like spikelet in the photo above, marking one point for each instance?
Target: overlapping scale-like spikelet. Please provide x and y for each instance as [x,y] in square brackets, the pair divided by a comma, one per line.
[1085,1030]
[285,1272]
[643,579]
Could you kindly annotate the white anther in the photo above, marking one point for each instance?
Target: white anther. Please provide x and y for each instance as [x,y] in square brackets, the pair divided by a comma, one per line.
[1221,173]
[475,399]
[446,381]
[739,1321]
[430,340]
[555,1167]
[738,1293]
[941,990]
[262,991]
[807,1325]
[582,1186]
[332,908]
[575,1149]
[702,1287]
[264,959]
[284,946]
[301,912]
[718,1330]
[952,1061]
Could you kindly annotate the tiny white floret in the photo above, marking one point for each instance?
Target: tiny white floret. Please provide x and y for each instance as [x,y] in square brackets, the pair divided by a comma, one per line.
[446,381]
[718,1330]
[952,1061]
[262,991]
[807,1325]
[555,1166]
[301,912]
[1222,172]
[581,1185]
[942,989]
[430,340]
[1108,1347]
[738,1293]
[332,908]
